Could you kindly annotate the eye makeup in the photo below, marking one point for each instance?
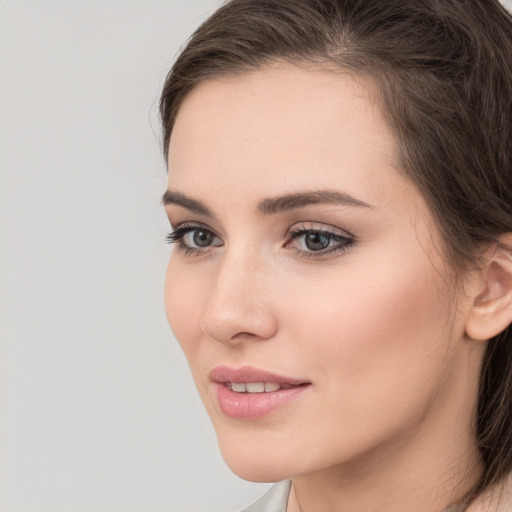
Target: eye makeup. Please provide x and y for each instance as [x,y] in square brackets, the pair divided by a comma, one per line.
[314,242]
[319,242]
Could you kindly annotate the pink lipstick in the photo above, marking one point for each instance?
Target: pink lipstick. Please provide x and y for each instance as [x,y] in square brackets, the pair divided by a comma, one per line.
[251,393]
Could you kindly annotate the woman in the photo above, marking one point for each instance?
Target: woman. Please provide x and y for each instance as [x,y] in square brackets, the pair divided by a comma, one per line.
[340,192]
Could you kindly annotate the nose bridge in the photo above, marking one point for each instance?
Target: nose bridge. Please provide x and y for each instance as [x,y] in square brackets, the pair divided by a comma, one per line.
[238,305]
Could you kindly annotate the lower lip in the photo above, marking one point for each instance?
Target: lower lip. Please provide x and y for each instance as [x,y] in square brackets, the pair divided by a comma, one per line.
[250,406]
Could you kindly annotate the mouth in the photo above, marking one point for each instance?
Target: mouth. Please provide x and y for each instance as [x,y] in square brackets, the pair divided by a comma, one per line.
[252,393]
[259,387]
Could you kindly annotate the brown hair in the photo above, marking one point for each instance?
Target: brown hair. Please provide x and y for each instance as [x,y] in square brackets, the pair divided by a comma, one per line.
[444,73]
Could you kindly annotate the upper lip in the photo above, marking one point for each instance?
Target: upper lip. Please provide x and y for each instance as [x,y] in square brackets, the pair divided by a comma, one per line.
[225,373]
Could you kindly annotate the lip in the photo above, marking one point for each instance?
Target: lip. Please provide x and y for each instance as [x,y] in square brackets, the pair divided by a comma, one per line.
[250,406]
[225,373]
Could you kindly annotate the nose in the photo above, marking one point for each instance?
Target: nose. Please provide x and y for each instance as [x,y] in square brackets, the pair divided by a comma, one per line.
[240,303]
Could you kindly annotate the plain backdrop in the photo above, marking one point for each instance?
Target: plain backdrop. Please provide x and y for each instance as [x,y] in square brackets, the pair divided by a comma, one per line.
[98,411]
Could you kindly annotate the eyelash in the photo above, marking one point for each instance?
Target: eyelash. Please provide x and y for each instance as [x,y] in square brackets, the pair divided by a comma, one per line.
[177,235]
[343,243]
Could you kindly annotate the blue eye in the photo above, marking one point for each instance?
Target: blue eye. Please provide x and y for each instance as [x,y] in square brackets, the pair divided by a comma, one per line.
[199,238]
[316,243]
[306,242]
[317,240]
[193,238]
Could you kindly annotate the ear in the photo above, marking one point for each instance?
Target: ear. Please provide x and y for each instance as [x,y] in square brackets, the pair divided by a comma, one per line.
[491,312]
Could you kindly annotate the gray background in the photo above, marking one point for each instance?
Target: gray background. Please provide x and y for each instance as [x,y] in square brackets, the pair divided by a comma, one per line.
[97,409]
[98,412]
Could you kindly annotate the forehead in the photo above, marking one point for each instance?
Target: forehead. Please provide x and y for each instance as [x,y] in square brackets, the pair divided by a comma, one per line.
[283,127]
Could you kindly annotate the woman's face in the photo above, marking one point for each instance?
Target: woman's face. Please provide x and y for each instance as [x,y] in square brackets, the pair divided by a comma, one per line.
[309,269]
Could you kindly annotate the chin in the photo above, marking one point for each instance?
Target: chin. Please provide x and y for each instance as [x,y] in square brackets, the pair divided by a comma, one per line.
[255,462]
[257,471]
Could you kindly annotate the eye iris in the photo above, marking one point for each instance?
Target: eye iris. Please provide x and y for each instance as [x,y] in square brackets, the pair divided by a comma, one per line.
[202,238]
[317,241]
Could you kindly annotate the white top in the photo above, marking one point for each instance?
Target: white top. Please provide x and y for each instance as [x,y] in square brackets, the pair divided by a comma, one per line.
[276,500]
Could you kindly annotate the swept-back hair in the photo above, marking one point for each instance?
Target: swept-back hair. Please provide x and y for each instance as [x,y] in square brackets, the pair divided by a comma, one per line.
[443,70]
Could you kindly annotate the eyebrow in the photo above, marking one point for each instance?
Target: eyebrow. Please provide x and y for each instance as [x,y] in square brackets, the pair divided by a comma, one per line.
[302,199]
[271,205]
[177,198]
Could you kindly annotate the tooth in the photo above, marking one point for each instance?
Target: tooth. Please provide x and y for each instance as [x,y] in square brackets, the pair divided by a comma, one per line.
[239,387]
[255,387]
[228,384]
[286,386]
[271,386]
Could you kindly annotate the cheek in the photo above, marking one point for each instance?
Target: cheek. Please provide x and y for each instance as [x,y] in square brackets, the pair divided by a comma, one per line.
[183,297]
[377,336]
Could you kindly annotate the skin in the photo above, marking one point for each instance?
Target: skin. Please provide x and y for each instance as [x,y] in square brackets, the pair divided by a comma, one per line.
[377,327]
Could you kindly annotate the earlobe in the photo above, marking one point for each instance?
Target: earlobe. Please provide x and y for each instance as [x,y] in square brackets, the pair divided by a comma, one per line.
[491,312]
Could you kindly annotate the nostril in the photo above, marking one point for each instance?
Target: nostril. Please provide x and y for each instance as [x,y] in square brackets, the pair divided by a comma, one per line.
[234,322]
[239,328]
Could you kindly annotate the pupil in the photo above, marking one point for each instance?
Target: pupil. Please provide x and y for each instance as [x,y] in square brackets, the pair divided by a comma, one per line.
[202,238]
[317,241]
